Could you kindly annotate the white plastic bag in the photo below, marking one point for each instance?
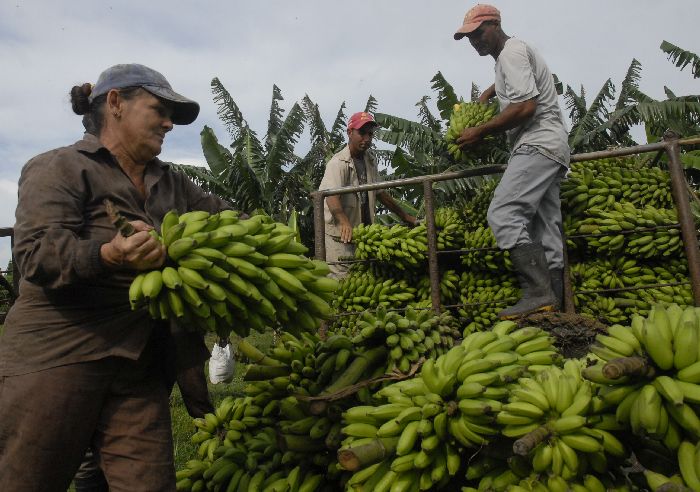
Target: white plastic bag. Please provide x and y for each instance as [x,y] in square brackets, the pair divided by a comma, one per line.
[221,364]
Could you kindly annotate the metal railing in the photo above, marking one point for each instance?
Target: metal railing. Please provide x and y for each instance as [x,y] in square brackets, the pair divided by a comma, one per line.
[679,189]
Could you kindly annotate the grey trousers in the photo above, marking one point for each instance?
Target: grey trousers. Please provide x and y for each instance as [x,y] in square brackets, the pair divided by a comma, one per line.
[526,208]
[334,250]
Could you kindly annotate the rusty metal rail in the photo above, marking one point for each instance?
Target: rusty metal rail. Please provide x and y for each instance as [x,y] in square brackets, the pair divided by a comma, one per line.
[679,188]
[9,232]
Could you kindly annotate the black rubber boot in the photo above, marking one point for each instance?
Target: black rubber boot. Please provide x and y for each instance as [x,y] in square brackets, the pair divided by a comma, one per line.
[531,268]
[557,278]
[89,477]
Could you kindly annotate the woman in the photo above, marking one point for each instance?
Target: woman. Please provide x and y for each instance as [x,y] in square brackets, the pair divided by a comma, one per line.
[78,367]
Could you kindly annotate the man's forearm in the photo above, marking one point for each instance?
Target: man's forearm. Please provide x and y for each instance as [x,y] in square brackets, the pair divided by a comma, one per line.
[514,115]
[336,208]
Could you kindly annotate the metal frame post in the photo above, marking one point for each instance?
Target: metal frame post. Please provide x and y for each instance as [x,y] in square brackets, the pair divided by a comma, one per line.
[685,217]
[319,226]
[567,291]
[433,270]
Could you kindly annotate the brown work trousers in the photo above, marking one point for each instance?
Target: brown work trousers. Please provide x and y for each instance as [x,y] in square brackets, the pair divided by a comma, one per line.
[117,406]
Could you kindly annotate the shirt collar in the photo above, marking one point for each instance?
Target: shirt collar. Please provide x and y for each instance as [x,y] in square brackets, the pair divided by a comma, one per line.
[344,155]
[90,144]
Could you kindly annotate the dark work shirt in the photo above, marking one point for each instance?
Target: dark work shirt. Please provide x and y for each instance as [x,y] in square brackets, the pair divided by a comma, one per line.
[70,307]
[361,170]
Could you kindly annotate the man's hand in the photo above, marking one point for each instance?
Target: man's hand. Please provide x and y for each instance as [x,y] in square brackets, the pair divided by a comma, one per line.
[470,136]
[345,231]
[410,220]
[488,94]
[140,251]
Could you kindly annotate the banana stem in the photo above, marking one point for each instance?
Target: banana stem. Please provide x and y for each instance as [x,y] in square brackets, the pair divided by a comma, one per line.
[528,442]
[350,376]
[627,366]
[452,408]
[673,487]
[353,459]
[255,355]
[118,220]
[264,373]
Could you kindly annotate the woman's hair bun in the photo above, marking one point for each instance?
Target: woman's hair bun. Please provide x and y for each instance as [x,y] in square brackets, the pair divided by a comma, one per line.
[79,95]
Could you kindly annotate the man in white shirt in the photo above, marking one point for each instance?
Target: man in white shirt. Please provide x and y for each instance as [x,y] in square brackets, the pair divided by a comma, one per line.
[525,213]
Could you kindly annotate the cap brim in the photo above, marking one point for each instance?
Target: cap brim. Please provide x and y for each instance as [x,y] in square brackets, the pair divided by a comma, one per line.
[466,29]
[185,111]
[355,127]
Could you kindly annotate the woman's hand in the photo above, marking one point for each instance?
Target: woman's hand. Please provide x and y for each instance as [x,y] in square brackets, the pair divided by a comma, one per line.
[140,251]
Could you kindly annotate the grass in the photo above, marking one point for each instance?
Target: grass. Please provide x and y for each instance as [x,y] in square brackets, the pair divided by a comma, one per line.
[183,428]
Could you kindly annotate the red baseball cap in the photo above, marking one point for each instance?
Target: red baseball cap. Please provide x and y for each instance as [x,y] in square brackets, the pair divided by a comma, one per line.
[358,120]
[481,12]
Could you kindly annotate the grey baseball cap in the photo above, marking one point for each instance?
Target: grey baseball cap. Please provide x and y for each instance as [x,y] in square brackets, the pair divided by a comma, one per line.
[185,110]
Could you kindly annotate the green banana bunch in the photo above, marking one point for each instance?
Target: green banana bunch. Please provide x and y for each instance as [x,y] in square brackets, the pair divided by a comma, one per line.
[660,482]
[604,182]
[482,295]
[688,454]
[450,228]
[550,414]
[237,442]
[402,246]
[557,483]
[367,288]
[485,254]
[289,367]
[416,334]
[624,272]
[617,224]
[452,404]
[449,292]
[474,209]
[467,115]
[650,372]
[226,274]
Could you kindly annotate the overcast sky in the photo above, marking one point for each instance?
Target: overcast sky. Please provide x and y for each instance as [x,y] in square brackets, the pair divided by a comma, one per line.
[333,51]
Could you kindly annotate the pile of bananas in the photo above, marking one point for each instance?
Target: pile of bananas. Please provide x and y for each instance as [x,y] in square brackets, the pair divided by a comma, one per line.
[482,240]
[290,367]
[416,334]
[221,438]
[552,415]
[272,428]
[415,437]
[402,246]
[449,292]
[483,295]
[616,224]
[504,480]
[468,115]
[364,289]
[239,448]
[650,373]
[475,209]
[225,274]
[605,182]
[450,228]
[624,272]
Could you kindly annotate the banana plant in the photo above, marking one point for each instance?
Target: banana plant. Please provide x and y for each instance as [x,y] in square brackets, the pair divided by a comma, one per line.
[602,124]
[266,173]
